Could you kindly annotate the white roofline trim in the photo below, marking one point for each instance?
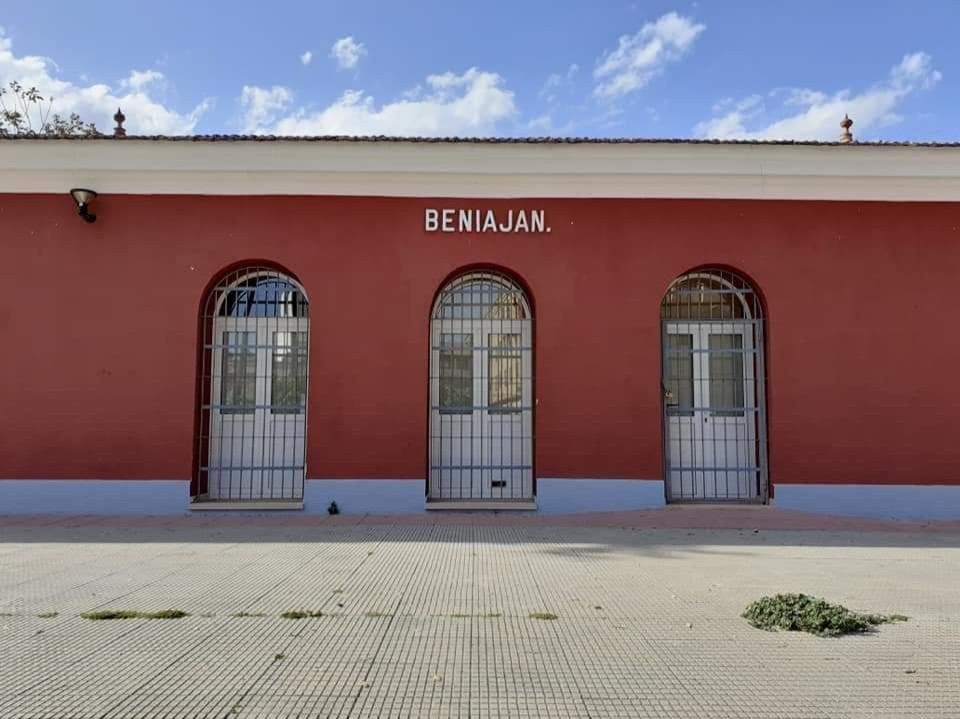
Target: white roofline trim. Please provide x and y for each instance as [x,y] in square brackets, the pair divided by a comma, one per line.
[463,170]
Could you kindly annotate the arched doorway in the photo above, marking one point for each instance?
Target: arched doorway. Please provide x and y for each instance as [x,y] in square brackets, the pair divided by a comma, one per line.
[481,390]
[253,379]
[714,406]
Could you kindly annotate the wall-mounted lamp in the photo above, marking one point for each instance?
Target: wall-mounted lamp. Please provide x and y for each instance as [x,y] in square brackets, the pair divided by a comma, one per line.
[83,198]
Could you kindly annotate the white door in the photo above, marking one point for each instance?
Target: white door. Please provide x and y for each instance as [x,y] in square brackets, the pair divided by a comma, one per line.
[728,426]
[481,409]
[711,410]
[681,397]
[258,408]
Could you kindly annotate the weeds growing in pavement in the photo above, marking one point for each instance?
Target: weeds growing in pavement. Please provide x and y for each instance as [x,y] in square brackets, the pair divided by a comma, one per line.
[803,613]
[301,614]
[130,614]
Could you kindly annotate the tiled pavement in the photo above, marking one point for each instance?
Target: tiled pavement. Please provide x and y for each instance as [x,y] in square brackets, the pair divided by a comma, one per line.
[430,616]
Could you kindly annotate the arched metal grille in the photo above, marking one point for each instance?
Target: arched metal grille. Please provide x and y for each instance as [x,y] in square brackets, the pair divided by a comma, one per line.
[481,390]
[714,404]
[253,380]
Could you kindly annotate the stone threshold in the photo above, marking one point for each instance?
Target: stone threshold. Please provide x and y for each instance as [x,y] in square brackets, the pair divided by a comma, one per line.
[214,505]
[485,505]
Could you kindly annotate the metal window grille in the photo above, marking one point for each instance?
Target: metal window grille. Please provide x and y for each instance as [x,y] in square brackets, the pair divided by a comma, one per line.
[253,388]
[481,390]
[714,389]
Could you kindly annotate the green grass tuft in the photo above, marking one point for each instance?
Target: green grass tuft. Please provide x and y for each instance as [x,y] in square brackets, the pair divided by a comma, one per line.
[130,614]
[490,615]
[544,616]
[47,615]
[164,614]
[111,614]
[249,614]
[803,613]
[301,614]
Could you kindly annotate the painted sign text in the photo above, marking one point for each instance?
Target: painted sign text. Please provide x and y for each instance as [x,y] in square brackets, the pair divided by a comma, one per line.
[477,220]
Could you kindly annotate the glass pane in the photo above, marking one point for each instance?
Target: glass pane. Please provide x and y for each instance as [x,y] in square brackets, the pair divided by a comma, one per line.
[678,375]
[456,373]
[288,373]
[481,299]
[264,296]
[704,298]
[504,386]
[726,375]
[238,373]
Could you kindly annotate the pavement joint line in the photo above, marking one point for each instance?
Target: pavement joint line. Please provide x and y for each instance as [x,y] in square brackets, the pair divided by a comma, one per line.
[386,632]
[556,629]
[141,623]
[297,633]
[122,569]
[318,553]
[267,670]
[438,580]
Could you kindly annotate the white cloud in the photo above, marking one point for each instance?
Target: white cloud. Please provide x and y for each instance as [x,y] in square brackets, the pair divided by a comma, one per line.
[472,103]
[555,81]
[731,117]
[640,57]
[262,105]
[819,113]
[347,52]
[96,103]
[307,57]
[543,123]
[139,79]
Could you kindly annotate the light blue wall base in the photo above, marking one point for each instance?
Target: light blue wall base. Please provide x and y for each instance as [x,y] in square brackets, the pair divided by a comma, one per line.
[94,496]
[365,496]
[566,496]
[899,501]
[406,496]
[554,496]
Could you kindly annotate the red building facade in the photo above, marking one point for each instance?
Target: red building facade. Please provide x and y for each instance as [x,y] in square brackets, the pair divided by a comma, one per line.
[554,371]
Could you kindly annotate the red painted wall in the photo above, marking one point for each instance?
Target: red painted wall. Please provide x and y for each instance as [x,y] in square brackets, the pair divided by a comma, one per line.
[99,328]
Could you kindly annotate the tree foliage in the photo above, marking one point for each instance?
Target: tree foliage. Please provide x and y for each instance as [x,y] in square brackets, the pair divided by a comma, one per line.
[24,111]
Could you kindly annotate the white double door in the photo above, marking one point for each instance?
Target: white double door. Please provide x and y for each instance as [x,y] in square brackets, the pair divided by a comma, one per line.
[481,409]
[711,410]
[258,408]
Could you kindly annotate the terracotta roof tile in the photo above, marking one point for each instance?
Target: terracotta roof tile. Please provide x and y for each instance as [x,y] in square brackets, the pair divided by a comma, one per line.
[470,140]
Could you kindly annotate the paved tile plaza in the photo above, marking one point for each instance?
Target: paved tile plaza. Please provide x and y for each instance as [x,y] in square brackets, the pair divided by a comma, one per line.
[437,616]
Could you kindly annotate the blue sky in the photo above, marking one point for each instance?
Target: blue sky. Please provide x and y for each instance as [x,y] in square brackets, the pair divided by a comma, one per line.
[711,68]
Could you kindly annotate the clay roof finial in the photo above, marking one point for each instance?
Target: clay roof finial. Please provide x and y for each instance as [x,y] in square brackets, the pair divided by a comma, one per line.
[119,131]
[847,136]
